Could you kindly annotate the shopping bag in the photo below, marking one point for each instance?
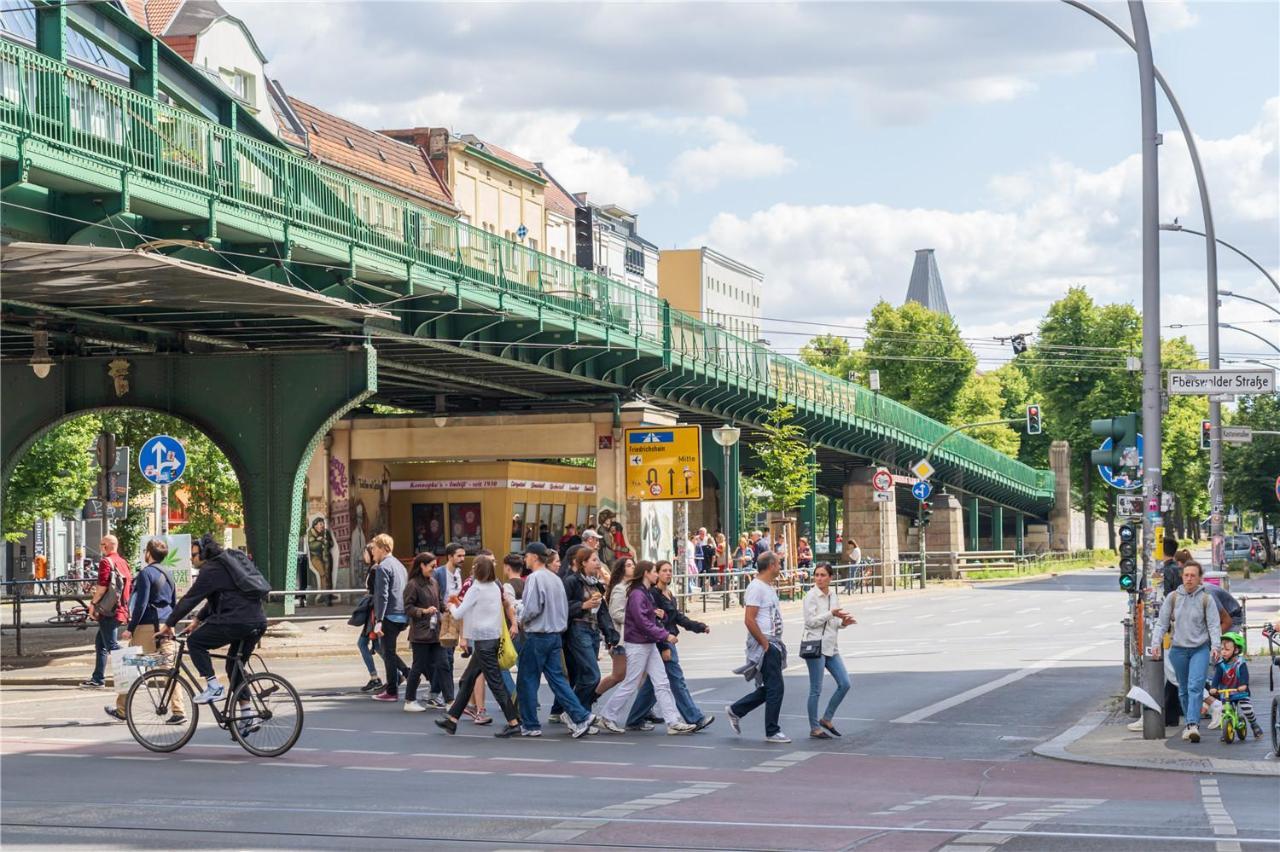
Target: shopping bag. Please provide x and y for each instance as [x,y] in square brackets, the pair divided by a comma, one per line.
[128,664]
[506,648]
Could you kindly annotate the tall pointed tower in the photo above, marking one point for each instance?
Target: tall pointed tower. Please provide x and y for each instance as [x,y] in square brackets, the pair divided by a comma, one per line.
[926,283]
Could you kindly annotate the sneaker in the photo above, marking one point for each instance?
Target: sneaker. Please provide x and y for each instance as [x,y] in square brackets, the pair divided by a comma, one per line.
[555,718]
[386,696]
[447,725]
[703,723]
[482,718]
[249,726]
[680,728]
[211,693]
[1193,733]
[115,714]
[373,685]
[593,731]
[777,738]
[654,720]
[435,703]
[176,719]
[611,726]
[645,726]
[92,684]
[577,729]
[1135,725]
[530,732]
[414,706]
[735,722]
[507,731]
[1186,732]
[1257,732]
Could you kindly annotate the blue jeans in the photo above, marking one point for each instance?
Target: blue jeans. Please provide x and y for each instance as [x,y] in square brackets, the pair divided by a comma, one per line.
[541,656]
[104,642]
[368,647]
[835,665]
[646,699]
[769,693]
[1190,665]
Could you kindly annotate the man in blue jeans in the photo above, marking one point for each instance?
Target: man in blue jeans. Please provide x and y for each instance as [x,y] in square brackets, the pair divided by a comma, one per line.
[766,654]
[544,617]
[109,607]
[672,620]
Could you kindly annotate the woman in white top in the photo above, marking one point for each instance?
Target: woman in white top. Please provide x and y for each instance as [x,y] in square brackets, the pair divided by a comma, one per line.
[481,614]
[616,597]
[823,619]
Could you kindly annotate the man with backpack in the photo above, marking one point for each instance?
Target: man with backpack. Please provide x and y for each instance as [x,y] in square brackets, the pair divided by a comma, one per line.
[150,604]
[108,607]
[233,591]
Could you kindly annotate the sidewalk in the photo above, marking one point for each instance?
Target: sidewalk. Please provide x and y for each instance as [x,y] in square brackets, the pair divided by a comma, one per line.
[64,657]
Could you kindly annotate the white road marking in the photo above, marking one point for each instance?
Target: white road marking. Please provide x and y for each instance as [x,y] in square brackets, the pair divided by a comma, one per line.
[1027,610]
[346,730]
[1030,626]
[378,768]
[297,765]
[969,694]
[45,754]
[447,756]
[359,751]
[457,772]
[525,759]
[133,757]
[959,623]
[701,691]
[211,760]
[599,763]
[538,775]
[620,778]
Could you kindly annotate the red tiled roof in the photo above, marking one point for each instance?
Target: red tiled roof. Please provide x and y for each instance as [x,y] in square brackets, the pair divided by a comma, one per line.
[514,159]
[135,9]
[184,46]
[557,200]
[346,146]
[158,14]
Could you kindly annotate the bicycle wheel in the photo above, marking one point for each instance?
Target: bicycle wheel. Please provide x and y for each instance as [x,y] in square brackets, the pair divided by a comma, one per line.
[1275,726]
[149,714]
[68,609]
[1228,730]
[266,715]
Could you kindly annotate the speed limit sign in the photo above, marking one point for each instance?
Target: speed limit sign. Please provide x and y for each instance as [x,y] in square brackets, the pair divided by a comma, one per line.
[882,479]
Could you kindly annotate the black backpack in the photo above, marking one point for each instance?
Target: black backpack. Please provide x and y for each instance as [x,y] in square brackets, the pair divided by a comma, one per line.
[248,579]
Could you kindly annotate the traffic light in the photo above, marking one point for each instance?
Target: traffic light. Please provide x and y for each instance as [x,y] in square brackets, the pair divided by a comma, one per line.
[106,453]
[1123,432]
[1129,557]
[1206,434]
[926,512]
[1033,420]
[1019,342]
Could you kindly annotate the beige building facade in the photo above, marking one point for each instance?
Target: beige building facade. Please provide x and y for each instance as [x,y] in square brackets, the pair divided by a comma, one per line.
[713,287]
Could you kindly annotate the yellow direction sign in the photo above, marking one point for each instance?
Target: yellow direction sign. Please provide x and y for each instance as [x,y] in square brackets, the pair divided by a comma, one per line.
[664,463]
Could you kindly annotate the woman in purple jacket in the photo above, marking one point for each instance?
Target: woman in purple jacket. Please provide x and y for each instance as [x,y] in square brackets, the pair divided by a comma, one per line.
[641,636]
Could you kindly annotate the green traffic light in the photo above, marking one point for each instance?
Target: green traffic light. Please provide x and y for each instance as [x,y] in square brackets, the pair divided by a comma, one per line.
[1127,582]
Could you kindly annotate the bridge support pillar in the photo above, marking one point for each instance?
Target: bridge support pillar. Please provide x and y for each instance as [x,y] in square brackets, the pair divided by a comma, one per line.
[945,533]
[1020,533]
[1060,516]
[997,527]
[266,412]
[832,506]
[874,526]
[971,507]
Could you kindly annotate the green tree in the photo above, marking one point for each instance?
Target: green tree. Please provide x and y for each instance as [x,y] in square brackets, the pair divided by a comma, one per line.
[980,401]
[1184,466]
[1250,470]
[923,361]
[785,471]
[831,354]
[55,477]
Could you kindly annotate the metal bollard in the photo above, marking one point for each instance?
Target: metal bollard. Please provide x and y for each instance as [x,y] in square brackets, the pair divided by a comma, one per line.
[1153,683]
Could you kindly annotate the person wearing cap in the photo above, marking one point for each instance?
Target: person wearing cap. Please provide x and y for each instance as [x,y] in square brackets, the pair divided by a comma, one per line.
[591,539]
[544,617]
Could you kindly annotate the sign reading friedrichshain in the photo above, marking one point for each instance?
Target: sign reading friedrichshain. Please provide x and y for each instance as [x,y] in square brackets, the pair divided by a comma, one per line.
[1195,382]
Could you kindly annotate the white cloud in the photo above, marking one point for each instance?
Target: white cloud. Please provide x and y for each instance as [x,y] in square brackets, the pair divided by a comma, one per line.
[732,155]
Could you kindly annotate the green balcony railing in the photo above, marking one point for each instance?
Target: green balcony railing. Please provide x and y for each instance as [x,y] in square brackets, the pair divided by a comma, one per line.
[47,100]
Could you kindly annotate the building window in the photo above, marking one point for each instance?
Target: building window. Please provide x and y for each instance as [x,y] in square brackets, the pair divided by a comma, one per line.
[634,261]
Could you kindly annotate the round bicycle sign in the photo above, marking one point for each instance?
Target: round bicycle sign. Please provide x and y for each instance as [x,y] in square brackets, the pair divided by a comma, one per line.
[882,480]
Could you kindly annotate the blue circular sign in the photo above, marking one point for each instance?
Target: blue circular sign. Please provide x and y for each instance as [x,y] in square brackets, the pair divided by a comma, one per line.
[162,460]
[1121,480]
[522,232]
[921,490]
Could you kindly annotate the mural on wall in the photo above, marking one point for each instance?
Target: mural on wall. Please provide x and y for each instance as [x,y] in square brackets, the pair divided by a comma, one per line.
[656,531]
[340,521]
[382,523]
[359,538]
[464,523]
[323,549]
[428,527]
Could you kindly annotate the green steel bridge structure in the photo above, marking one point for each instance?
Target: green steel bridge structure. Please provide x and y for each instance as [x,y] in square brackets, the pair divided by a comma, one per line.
[148,219]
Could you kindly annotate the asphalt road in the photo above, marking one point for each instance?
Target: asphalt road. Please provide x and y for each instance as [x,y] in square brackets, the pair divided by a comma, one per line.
[951,690]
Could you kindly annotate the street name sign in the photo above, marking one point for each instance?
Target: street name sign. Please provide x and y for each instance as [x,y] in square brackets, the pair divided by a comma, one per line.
[1237,434]
[664,463]
[922,469]
[1198,382]
[162,460]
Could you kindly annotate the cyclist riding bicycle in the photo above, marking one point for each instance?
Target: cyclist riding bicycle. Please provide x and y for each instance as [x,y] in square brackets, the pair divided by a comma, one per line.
[233,591]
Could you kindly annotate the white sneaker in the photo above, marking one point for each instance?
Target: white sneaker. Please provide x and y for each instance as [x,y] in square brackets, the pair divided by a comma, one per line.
[578,729]
[1193,733]
[777,738]
[610,726]
[1135,725]
[414,706]
[212,692]
[735,722]
[681,728]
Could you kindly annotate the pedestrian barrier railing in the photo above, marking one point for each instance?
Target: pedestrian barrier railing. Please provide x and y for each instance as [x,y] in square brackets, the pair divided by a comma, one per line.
[725,590]
[100,122]
[1272,614]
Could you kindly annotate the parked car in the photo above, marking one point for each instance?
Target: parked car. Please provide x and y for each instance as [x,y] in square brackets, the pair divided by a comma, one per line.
[1241,547]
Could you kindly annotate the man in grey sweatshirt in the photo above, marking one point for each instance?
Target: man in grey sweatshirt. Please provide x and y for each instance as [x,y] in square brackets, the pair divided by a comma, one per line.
[544,617]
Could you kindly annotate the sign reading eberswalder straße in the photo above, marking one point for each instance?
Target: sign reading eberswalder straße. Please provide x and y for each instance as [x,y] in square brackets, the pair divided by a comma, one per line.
[1196,382]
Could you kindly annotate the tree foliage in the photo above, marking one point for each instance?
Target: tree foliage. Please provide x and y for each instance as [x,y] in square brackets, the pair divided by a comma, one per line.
[55,477]
[833,355]
[980,401]
[785,471]
[1184,466]
[923,361]
[1251,469]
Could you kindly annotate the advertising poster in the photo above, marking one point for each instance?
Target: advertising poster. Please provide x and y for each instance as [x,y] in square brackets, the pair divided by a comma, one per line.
[464,523]
[428,528]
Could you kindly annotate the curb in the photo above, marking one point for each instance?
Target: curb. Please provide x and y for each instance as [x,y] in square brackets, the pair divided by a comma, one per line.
[1057,749]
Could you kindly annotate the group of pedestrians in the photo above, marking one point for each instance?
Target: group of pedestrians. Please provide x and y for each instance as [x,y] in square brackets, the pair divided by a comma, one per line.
[549,617]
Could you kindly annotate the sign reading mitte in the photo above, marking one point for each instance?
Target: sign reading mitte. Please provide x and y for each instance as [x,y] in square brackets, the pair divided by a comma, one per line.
[664,463]
[1195,382]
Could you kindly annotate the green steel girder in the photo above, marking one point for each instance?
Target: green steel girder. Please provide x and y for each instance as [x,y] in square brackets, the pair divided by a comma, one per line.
[267,412]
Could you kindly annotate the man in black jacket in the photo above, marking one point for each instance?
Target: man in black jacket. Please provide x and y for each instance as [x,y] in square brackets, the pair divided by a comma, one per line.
[230,617]
[672,619]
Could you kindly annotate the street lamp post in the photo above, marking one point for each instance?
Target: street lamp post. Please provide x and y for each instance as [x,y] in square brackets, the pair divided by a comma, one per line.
[1211,266]
[1177,227]
[726,436]
[1248,332]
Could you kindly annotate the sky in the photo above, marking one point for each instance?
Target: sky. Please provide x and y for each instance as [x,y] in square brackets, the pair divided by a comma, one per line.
[823,143]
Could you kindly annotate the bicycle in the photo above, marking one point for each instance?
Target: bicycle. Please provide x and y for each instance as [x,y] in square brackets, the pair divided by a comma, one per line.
[264,706]
[1232,725]
[70,611]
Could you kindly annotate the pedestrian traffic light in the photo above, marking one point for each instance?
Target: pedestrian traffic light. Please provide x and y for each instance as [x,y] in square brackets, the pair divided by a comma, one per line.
[1129,557]
[1206,434]
[1033,420]
[1123,432]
